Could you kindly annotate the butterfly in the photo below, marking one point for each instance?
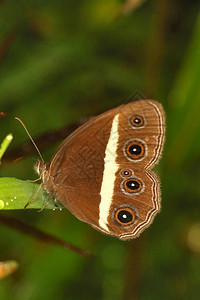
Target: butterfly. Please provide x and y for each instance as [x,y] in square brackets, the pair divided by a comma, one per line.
[102,172]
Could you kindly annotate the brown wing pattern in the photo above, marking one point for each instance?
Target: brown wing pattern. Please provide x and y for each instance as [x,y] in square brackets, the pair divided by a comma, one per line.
[144,201]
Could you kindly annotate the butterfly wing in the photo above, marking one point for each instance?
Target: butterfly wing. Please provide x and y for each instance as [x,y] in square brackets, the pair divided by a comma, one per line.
[77,168]
[102,172]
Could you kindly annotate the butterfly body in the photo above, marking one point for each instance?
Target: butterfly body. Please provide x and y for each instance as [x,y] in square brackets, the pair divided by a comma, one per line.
[102,171]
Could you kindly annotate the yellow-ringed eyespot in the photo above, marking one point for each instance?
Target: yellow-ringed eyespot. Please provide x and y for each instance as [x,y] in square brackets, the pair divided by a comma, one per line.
[137,121]
[132,186]
[125,215]
[126,172]
[135,149]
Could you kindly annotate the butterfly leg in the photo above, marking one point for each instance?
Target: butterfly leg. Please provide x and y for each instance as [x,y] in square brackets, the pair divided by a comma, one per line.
[35,179]
[33,198]
[45,203]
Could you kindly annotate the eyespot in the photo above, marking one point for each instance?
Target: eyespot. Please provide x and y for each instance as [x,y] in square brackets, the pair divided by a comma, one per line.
[126,172]
[132,186]
[135,149]
[137,121]
[125,215]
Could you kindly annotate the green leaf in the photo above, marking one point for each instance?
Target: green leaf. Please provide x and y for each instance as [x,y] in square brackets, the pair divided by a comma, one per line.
[16,193]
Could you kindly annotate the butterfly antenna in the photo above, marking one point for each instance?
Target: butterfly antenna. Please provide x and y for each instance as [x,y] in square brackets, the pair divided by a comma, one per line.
[31,138]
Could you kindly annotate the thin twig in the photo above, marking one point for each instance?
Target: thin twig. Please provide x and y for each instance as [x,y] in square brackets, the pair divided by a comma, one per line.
[43,142]
[37,233]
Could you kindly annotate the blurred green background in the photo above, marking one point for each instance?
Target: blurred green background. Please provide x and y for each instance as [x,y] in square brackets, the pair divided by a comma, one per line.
[63,61]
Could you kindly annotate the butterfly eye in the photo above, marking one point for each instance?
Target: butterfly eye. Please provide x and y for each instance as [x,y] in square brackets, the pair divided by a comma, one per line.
[137,121]
[126,173]
[125,215]
[132,186]
[135,149]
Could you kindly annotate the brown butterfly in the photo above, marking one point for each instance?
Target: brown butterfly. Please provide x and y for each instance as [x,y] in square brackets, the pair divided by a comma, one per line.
[102,171]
